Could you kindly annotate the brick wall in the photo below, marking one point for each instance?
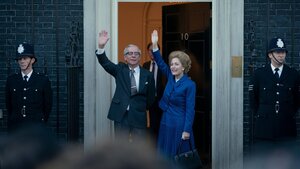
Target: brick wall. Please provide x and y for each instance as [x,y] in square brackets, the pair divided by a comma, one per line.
[48,25]
[265,19]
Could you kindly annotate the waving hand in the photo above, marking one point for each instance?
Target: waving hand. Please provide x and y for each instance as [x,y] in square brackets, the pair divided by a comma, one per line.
[154,39]
[102,39]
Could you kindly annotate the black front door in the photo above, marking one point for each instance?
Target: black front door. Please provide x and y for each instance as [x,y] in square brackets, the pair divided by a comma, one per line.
[188,27]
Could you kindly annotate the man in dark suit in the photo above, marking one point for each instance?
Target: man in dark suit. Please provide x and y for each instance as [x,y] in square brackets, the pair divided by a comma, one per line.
[135,90]
[274,101]
[155,112]
[28,93]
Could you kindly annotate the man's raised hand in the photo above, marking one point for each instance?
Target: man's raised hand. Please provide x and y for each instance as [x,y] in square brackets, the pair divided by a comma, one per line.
[102,39]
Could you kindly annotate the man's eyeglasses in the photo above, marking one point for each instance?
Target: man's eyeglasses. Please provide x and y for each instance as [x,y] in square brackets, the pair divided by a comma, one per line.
[133,53]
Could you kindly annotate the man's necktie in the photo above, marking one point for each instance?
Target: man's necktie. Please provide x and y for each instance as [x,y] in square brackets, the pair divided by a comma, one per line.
[153,67]
[276,73]
[153,71]
[25,78]
[133,83]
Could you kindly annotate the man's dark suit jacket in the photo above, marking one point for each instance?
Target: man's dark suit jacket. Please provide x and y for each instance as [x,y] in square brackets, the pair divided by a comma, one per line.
[34,99]
[139,103]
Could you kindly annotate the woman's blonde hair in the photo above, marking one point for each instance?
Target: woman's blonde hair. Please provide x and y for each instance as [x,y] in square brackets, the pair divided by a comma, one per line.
[183,58]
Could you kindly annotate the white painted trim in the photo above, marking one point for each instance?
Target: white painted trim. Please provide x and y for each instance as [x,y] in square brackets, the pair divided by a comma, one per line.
[89,71]
[227,92]
[171,1]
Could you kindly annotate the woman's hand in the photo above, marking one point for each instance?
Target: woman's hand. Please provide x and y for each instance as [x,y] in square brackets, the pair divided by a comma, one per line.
[154,39]
[185,135]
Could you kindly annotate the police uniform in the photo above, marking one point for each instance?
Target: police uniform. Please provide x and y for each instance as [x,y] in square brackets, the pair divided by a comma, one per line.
[274,101]
[27,101]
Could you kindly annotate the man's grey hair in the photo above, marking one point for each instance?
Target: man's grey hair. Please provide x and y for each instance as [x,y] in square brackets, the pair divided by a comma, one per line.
[131,45]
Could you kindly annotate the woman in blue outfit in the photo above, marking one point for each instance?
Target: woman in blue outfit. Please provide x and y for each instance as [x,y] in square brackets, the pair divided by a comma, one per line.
[177,102]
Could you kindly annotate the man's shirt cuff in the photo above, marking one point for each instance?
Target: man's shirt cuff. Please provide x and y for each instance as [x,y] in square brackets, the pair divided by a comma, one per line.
[99,51]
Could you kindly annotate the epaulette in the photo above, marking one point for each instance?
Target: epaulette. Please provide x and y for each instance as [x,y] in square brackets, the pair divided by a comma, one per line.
[14,74]
[260,68]
[39,74]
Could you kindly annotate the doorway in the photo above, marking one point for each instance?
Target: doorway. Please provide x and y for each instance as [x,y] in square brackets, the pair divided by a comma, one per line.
[181,26]
[187,27]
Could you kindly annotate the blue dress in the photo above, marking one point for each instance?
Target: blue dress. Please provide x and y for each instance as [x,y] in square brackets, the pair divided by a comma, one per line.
[178,105]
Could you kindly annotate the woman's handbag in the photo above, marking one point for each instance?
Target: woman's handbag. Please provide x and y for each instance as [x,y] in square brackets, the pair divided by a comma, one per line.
[188,160]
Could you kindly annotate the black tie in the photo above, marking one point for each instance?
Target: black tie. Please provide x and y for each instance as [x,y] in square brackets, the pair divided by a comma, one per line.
[153,67]
[153,71]
[276,73]
[25,78]
[132,83]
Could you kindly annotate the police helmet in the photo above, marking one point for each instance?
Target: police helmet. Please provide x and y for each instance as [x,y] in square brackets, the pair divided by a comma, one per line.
[25,50]
[277,45]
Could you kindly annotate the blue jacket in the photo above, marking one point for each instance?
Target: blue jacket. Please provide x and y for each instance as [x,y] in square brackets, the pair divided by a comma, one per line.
[178,100]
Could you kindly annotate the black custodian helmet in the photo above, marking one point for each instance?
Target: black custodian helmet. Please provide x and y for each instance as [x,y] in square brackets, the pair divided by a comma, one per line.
[25,50]
[277,45]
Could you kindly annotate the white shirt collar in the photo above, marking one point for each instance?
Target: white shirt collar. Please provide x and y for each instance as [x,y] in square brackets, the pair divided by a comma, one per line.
[279,71]
[28,75]
[280,68]
[136,69]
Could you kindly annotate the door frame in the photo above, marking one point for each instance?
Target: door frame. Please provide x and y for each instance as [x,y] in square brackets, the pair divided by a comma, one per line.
[227,87]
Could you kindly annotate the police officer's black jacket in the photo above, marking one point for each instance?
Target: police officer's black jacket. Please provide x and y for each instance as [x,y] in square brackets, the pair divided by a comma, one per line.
[28,101]
[274,102]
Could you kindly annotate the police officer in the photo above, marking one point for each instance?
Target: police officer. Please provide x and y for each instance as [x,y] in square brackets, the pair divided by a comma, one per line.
[274,100]
[28,93]
[274,95]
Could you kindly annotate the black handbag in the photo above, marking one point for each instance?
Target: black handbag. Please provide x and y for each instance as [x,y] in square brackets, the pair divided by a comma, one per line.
[189,159]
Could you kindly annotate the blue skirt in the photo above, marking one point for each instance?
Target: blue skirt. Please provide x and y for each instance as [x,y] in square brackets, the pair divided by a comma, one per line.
[169,138]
